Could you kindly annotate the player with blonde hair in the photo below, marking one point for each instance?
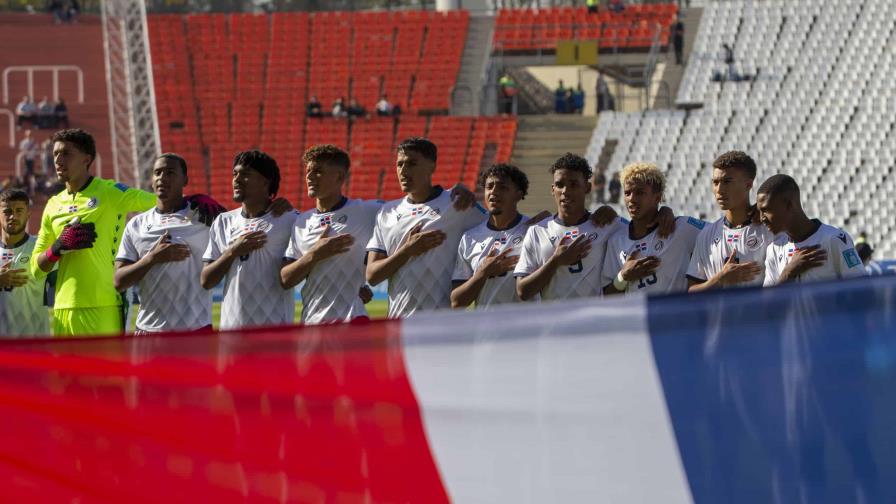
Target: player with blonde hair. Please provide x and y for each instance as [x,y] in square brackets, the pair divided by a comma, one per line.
[637,258]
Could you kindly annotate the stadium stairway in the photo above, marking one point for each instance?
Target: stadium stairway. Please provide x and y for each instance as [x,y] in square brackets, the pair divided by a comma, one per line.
[477,48]
[540,140]
[34,40]
[672,74]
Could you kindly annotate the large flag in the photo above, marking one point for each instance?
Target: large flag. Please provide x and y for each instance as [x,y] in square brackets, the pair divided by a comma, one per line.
[743,396]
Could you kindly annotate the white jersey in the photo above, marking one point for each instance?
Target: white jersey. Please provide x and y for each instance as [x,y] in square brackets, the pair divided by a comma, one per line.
[718,240]
[171,295]
[22,310]
[252,292]
[842,259]
[330,292]
[673,252]
[424,282]
[578,280]
[474,248]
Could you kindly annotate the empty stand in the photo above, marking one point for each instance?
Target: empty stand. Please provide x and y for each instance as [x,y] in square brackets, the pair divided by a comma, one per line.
[542,29]
[819,109]
[233,82]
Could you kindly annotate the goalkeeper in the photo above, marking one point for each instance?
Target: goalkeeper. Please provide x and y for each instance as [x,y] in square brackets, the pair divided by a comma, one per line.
[80,231]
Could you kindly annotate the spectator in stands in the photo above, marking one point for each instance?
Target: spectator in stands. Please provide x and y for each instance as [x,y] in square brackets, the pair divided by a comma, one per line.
[678,40]
[72,9]
[339,109]
[728,55]
[314,109]
[600,186]
[383,107]
[26,110]
[617,6]
[604,99]
[570,100]
[355,109]
[508,93]
[46,114]
[57,8]
[61,113]
[578,99]
[560,98]
[615,188]
[30,152]
[592,6]
[865,252]
[46,157]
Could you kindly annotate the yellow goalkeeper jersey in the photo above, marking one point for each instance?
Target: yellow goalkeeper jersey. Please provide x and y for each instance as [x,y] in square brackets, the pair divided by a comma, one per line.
[85,278]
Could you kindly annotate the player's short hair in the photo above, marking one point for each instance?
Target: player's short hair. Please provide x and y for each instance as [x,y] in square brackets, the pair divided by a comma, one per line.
[862,248]
[327,153]
[779,184]
[13,194]
[421,146]
[79,138]
[174,157]
[509,172]
[738,160]
[263,164]
[572,162]
[647,173]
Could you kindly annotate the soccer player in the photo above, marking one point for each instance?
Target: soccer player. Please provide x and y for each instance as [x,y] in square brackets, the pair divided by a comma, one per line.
[731,251]
[246,248]
[161,252]
[562,256]
[489,252]
[638,259]
[808,249]
[327,247]
[80,231]
[415,238]
[22,310]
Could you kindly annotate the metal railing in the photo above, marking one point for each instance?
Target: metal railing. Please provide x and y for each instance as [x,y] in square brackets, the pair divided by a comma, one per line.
[55,69]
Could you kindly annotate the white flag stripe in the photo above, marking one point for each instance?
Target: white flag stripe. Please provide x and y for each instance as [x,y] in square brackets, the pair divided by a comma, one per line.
[520,406]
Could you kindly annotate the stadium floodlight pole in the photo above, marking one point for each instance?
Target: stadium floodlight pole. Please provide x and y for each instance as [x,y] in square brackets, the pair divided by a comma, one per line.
[133,120]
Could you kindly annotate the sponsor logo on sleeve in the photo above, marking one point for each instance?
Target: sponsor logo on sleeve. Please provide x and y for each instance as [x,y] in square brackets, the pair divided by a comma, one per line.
[851,258]
[697,223]
[121,187]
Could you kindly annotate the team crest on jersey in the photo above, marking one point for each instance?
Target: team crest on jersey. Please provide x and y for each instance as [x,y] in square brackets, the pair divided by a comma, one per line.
[342,219]
[24,259]
[92,203]
[72,208]
[658,246]
[592,236]
[753,242]
[517,240]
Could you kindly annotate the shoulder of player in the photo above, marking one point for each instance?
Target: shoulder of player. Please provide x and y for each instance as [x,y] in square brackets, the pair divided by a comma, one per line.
[698,224]
[833,234]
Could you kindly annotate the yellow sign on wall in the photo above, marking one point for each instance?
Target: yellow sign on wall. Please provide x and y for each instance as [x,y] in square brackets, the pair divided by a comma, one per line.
[576,52]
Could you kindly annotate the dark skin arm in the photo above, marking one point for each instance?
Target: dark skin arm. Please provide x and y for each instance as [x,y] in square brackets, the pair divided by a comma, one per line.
[216,270]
